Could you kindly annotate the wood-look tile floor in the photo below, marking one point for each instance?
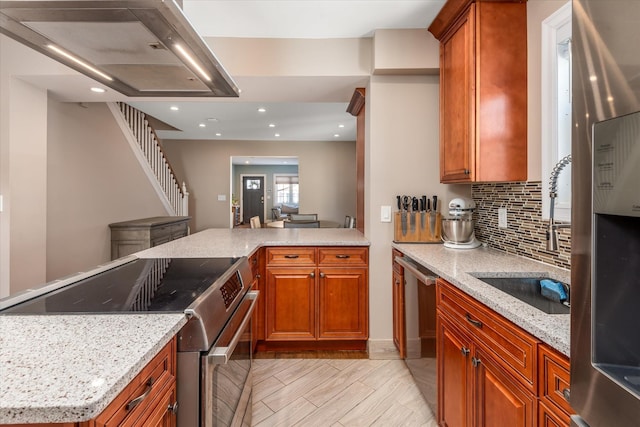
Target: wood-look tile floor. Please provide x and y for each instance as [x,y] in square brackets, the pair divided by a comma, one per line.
[336,392]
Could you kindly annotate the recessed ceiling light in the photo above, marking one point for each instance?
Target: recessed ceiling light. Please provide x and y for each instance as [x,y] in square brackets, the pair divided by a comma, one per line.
[610,98]
[276,135]
[272,125]
[262,110]
[212,119]
[98,90]
[341,125]
[336,135]
[218,134]
[246,162]
[285,162]
[174,108]
[202,125]
[593,78]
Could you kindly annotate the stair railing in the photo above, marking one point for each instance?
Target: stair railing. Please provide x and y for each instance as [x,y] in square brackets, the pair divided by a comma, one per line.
[146,146]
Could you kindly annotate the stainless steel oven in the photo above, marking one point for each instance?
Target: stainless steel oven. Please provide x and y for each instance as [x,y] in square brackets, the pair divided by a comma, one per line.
[214,346]
[605,239]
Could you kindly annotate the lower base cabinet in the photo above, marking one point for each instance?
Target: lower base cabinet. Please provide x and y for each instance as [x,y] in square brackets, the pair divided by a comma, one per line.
[492,373]
[316,298]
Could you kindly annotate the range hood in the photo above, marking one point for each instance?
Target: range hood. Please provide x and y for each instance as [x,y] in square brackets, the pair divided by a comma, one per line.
[143,48]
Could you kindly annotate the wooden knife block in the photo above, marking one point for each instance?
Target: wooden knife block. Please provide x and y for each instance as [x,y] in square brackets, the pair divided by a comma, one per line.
[417,230]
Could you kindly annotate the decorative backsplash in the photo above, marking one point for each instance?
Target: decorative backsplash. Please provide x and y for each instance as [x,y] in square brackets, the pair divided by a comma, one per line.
[526,232]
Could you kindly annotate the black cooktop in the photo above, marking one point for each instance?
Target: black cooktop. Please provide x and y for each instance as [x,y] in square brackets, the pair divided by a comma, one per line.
[143,285]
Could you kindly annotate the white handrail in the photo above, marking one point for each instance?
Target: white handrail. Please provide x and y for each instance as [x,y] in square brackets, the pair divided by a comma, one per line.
[146,146]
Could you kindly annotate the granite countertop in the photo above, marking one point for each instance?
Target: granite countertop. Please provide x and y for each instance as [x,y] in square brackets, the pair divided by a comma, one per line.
[68,368]
[459,266]
[237,242]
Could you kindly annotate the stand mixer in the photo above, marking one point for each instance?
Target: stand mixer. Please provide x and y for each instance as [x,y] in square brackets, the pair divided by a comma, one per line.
[457,230]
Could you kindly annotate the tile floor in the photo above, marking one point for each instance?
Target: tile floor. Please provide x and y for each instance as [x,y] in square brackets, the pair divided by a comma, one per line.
[336,392]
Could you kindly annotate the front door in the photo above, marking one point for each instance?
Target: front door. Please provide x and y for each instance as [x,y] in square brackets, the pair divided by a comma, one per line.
[252,198]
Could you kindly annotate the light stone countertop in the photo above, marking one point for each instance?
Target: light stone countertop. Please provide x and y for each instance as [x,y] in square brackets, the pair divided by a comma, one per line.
[237,242]
[68,368]
[458,266]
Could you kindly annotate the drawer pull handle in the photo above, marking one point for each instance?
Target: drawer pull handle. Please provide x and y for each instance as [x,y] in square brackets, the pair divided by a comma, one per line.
[475,323]
[475,362]
[173,408]
[397,282]
[567,394]
[135,402]
[343,256]
[322,275]
[291,256]
[312,275]
[465,351]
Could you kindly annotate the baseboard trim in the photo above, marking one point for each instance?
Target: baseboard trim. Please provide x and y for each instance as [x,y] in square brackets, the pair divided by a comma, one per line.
[382,350]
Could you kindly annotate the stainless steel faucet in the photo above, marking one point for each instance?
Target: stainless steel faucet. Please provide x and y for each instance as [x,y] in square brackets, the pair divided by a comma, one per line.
[552,227]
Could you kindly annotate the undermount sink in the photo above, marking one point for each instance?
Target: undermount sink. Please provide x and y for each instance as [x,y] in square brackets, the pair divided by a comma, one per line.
[527,289]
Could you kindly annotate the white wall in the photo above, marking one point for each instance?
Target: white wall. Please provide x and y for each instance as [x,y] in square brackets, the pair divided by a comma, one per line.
[326,171]
[93,180]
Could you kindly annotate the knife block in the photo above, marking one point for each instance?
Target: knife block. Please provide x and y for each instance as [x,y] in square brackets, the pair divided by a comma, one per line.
[418,227]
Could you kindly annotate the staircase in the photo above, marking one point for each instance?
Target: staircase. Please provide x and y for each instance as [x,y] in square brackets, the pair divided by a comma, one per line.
[146,147]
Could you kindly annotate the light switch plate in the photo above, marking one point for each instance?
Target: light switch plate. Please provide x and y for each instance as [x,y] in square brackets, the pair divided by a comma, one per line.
[385,213]
[222,197]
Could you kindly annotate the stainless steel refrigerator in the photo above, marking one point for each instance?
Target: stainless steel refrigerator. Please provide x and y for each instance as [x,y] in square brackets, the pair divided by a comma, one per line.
[605,259]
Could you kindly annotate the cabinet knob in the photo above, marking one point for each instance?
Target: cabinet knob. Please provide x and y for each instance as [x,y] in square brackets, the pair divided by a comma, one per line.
[397,282]
[312,275]
[322,275]
[257,276]
[465,351]
[467,171]
[173,407]
[567,394]
[475,362]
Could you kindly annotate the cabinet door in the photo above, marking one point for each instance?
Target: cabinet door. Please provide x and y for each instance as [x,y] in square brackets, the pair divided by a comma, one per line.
[457,98]
[548,417]
[291,303]
[454,351]
[499,399]
[343,303]
[399,320]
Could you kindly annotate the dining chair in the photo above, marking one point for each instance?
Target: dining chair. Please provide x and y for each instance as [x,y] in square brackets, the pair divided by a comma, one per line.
[302,224]
[255,222]
[304,217]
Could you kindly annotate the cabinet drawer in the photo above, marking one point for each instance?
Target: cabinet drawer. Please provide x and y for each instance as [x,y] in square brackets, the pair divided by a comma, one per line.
[554,378]
[179,230]
[151,381]
[515,348]
[548,417]
[291,256]
[343,256]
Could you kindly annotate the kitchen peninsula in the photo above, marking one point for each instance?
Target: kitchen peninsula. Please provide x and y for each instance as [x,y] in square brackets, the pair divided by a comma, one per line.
[68,368]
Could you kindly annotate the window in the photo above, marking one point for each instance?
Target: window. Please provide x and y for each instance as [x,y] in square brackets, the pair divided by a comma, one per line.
[287,189]
[253,184]
[556,108]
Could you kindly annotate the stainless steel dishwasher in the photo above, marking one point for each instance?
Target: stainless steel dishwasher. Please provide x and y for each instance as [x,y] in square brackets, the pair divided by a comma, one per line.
[420,321]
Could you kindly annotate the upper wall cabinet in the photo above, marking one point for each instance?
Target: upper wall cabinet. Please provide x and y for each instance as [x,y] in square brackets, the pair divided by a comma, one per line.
[483,90]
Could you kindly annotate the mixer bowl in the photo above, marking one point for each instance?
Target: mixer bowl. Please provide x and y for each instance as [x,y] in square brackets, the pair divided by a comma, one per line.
[457,230]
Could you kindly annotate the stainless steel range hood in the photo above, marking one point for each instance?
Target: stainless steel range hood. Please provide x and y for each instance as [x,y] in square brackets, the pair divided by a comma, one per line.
[137,47]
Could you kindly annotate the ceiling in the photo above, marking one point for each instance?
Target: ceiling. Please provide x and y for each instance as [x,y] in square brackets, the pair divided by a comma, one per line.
[308,111]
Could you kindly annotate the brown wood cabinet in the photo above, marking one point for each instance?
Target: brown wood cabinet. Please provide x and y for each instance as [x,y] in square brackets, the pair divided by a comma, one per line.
[154,390]
[486,366]
[483,90]
[399,319]
[316,295]
[491,372]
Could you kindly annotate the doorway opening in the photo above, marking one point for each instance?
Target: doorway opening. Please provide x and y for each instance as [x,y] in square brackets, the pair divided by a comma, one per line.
[252,197]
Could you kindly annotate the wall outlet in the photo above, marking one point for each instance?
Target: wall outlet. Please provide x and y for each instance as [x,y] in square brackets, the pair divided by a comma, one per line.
[502,217]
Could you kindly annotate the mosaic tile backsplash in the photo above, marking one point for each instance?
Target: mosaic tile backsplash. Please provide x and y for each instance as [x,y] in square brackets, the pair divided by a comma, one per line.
[525,235]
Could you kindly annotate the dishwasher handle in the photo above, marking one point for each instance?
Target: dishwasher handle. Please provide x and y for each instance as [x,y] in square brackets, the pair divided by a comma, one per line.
[413,268]
[221,355]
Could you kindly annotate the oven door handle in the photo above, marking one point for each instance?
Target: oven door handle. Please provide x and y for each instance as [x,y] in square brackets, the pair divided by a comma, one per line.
[427,280]
[221,355]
